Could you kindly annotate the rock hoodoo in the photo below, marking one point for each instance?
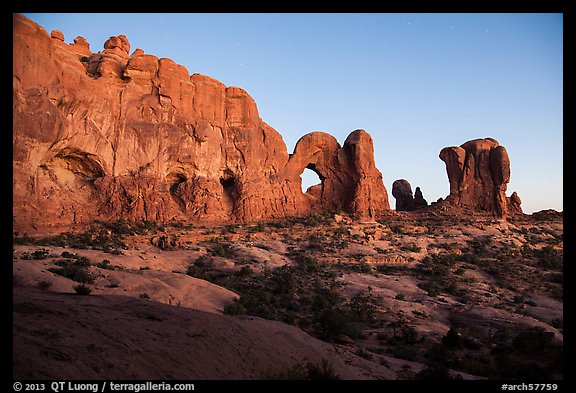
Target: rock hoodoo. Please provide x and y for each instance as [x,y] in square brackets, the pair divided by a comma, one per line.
[405,200]
[107,135]
[479,172]
[419,201]
[402,191]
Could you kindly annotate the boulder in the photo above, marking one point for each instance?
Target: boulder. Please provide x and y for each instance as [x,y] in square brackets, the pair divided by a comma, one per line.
[57,35]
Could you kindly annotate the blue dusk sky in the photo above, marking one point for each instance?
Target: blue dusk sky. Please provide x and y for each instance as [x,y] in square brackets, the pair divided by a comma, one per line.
[415,82]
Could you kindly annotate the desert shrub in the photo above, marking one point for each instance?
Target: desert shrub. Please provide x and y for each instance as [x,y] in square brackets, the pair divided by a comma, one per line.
[259,302]
[409,334]
[313,220]
[245,271]
[234,308]
[82,289]
[362,307]
[557,278]
[22,239]
[122,227]
[74,270]
[283,282]
[392,269]
[230,228]
[558,323]
[36,255]
[199,269]
[92,238]
[363,267]
[411,248]
[403,351]
[400,296]
[476,365]
[323,371]
[437,371]
[306,370]
[144,295]
[363,353]
[452,339]
[324,297]
[219,250]
[105,264]
[332,323]
[530,353]
[533,341]
[306,263]
[44,285]
[549,258]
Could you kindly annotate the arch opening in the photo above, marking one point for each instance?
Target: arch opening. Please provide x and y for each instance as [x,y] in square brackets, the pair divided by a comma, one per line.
[311,179]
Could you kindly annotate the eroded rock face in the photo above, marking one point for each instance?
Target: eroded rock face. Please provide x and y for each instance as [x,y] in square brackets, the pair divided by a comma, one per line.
[107,135]
[479,172]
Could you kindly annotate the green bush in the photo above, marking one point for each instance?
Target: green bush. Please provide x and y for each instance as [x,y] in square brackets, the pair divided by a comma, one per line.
[219,250]
[76,271]
[363,353]
[452,339]
[82,289]
[245,271]
[306,371]
[362,307]
[105,264]
[36,255]
[44,285]
[234,308]
[332,323]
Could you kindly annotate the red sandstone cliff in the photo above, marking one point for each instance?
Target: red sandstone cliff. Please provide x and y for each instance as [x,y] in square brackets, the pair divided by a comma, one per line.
[109,134]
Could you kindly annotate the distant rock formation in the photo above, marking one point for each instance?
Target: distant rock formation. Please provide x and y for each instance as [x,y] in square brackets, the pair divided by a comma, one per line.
[110,135]
[513,203]
[405,201]
[419,201]
[479,172]
[402,191]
